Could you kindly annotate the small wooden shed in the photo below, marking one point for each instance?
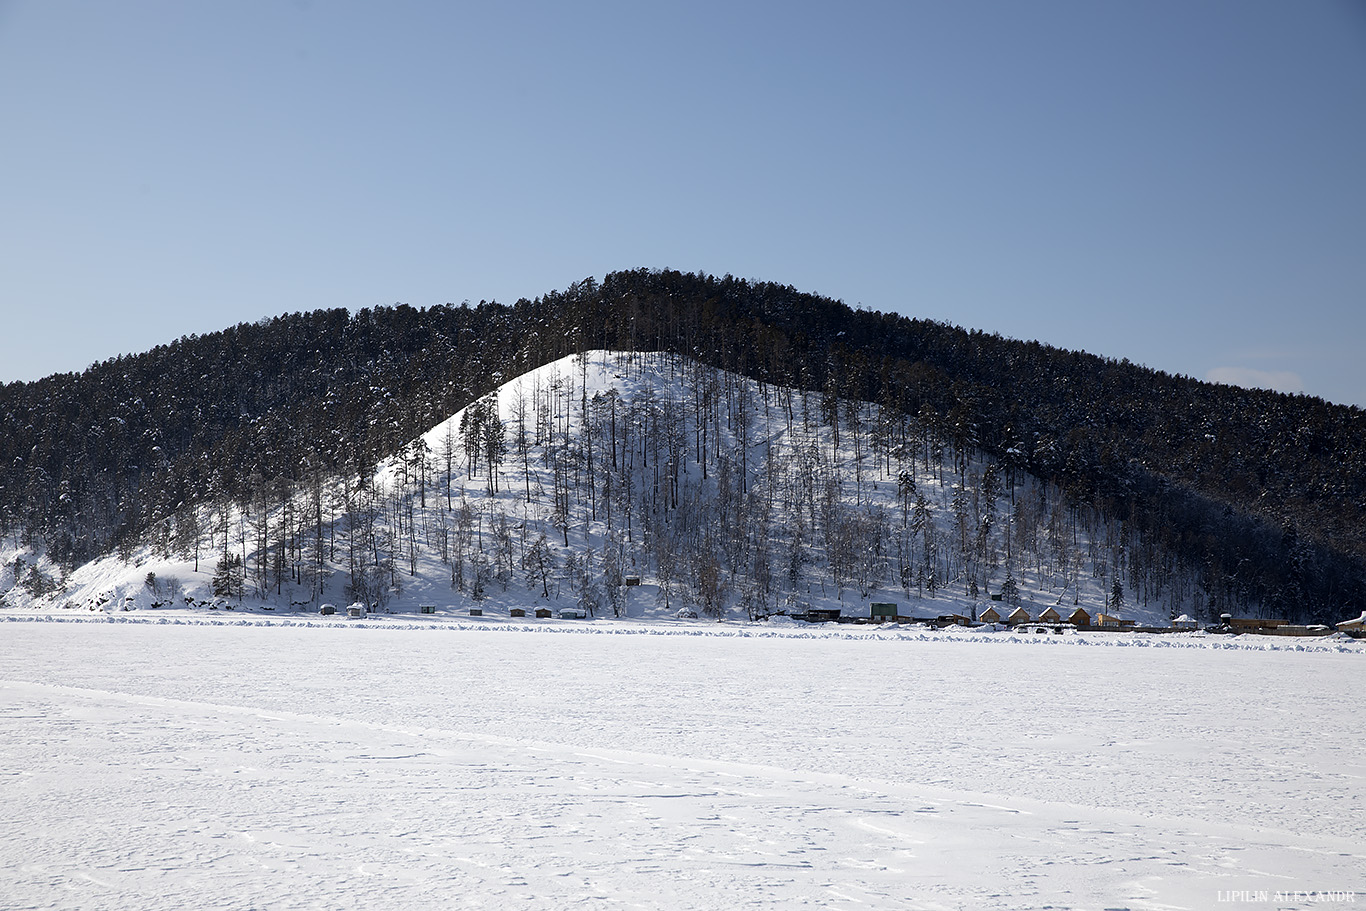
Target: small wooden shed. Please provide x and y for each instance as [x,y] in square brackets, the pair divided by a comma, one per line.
[1050,615]
[881,611]
[990,615]
[1252,624]
[542,613]
[1353,626]
[1079,618]
[517,612]
[1017,616]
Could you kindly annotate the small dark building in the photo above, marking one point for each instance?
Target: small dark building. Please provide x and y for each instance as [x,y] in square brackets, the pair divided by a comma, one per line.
[882,612]
[1253,624]
[543,613]
[517,612]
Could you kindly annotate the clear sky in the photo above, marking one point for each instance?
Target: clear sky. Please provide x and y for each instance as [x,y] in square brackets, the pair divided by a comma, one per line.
[1178,183]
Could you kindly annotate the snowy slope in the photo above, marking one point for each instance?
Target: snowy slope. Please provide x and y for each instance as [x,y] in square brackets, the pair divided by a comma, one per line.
[769,447]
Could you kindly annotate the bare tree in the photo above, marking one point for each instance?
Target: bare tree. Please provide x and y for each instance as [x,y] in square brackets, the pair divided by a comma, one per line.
[538,563]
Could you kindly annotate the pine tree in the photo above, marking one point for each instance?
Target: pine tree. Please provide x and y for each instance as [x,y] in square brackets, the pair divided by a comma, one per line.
[493,440]
[229,577]
[1010,592]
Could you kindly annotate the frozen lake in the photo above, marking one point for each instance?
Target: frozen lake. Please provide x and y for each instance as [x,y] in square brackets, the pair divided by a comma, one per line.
[154,765]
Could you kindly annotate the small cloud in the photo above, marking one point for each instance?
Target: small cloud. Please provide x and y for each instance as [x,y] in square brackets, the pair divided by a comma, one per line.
[1252,378]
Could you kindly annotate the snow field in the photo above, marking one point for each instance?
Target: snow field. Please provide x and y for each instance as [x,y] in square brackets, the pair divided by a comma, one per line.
[157,765]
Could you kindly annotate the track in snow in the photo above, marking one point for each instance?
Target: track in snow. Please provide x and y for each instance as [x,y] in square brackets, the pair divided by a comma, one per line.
[167,767]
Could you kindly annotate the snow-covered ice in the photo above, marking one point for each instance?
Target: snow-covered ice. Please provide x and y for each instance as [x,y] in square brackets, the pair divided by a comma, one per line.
[236,765]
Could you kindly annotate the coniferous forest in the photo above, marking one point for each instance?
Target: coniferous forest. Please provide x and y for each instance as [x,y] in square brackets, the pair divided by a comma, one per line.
[1260,496]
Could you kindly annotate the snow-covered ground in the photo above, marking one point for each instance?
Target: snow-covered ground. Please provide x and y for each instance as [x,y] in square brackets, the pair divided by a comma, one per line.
[253,763]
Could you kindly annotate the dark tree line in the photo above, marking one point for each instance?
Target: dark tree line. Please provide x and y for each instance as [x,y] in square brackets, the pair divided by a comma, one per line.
[1265,493]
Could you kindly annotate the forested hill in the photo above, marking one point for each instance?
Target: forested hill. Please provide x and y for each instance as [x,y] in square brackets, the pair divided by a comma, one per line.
[1264,493]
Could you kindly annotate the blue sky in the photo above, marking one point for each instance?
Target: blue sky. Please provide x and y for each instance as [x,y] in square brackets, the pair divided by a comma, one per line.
[1176,183]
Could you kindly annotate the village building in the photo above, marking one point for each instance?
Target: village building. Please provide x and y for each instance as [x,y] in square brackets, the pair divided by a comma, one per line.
[882,612]
[1353,626]
[944,620]
[1252,624]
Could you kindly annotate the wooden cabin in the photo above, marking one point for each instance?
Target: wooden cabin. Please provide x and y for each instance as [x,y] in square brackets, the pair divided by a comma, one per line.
[543,613]
[1252,624]
[990,615]
[1017,616]
[1050,615]
[1079,618]
[881,611]
[1106,621]
[1353,626]
[517,612]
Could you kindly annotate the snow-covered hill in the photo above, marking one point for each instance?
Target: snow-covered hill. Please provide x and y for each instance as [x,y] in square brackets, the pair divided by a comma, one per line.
[719,495]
